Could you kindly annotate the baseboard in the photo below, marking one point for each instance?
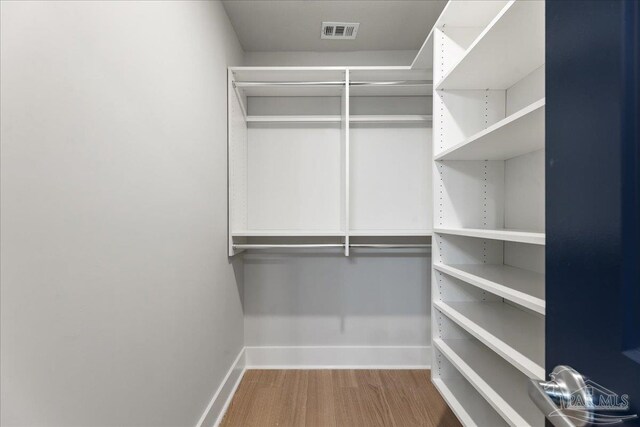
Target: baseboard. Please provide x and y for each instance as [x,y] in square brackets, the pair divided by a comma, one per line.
[338,357]
[216,409]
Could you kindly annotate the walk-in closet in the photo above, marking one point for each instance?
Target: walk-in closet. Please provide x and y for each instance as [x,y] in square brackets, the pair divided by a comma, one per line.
[319,213]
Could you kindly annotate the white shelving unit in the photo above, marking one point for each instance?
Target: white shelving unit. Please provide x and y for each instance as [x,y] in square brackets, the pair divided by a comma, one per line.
[488,293]
[318,155]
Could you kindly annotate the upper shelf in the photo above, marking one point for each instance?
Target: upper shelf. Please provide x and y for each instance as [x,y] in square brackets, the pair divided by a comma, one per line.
[338,119]
[509,48]
[331,81]
[520,133]
[459,13]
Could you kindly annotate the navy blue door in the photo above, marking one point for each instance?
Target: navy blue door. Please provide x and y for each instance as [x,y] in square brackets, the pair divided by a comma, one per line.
[593,192]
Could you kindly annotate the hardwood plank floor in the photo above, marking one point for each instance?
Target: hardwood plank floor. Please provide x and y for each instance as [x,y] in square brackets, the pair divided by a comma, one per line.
[338,398]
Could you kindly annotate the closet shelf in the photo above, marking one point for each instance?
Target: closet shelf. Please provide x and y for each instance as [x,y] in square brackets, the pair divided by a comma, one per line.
[390,119]
[471,408]
[520,133]
[500,327]
[408,89]
[496,234]
[520,286]
[391,233]
[338,119]
[294,119]
[498,382]
[511,47]
[459,13]
[287,233]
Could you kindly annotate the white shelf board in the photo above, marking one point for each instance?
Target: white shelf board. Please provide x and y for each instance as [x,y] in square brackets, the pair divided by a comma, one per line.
[509,48]
[294,119]
[520,286]
[390,119]
[308,90]
[498,382]
[381,233]
[520,133]
[514,334]
[519,236]
[459,13]
[286,74]
[392,90]
[470,408]
[424,57]
[287,233]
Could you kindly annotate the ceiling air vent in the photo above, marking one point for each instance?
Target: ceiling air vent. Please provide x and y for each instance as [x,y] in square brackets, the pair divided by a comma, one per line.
[339,30]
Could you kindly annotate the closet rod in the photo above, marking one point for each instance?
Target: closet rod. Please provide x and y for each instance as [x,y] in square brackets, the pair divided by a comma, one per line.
[389,245]
[249,84]
[337,83]
[392,83]
[293,246]
[336,245]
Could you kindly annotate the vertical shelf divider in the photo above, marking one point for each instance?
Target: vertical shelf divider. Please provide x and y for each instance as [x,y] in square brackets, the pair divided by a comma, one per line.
[347,149]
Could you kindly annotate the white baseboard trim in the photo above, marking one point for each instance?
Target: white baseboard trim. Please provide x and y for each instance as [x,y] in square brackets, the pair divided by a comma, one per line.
[212,416]
[338,357]
[310,357]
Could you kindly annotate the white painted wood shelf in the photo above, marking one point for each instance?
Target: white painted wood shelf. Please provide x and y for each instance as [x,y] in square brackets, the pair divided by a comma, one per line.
[517,336]
[287,233]
[390,118]
[531,237]
[518,285]
[510,47]
[470,408]
[520,133]
[497,381]
[391,233]
[294,119]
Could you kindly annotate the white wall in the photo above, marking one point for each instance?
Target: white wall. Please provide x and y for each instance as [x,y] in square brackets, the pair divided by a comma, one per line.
[119,305]
[369,57]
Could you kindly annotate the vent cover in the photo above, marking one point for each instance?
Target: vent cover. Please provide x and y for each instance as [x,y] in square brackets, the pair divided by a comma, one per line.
[339,30]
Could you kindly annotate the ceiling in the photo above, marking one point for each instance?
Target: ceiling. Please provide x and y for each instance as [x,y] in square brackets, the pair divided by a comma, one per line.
[294,25]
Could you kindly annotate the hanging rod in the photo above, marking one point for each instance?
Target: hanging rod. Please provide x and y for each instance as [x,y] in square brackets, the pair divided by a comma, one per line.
[292,246]
[392,83]
[333,245]
[249,84]
[336,83]
[389,245]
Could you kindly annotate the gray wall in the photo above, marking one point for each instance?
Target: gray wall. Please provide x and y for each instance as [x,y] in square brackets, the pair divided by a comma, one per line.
[372,298]
[119,305]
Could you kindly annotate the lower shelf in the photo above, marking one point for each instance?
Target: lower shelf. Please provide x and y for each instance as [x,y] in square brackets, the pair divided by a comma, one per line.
[470,408]
[503,386]
[515,335]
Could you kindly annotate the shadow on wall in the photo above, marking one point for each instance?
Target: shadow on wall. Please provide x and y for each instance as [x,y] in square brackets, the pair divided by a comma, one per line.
[367,283]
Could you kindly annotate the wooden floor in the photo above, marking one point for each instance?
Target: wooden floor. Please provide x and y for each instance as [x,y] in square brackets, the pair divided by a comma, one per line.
[327,398]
